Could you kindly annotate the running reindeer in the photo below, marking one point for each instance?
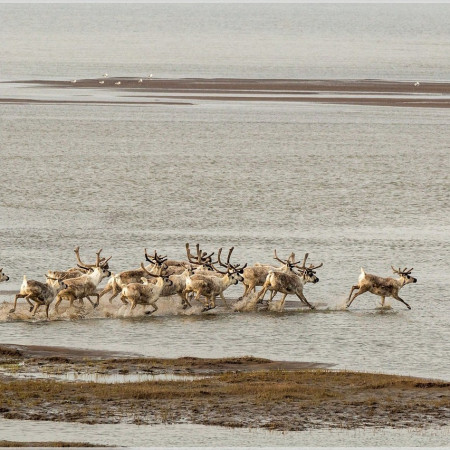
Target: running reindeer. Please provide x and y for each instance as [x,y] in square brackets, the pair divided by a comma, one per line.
[384,287]
[118,281]
[3,277]
[85,285]
[40,293]
[210,285]
[145,293]
[290,282]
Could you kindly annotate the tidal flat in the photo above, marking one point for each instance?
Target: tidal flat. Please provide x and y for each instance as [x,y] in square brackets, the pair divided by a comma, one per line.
[231,392]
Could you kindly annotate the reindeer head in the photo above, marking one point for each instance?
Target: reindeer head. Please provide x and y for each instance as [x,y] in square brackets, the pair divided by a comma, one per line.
[100,267]
[405,275]
[308,273]
[3,277]
[233,272]
[166,280]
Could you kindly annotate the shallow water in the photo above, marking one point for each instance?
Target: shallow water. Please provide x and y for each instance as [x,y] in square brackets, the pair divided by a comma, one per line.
[199,435]
[352,185]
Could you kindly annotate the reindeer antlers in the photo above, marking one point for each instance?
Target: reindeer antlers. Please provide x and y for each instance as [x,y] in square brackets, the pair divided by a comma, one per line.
[100,262]
[405,271]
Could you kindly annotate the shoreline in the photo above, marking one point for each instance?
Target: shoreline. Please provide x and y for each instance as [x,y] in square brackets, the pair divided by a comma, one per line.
[151,91]
[234,392]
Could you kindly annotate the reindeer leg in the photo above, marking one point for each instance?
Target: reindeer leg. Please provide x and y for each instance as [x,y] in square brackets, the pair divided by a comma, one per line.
[47,306]
[283,300]
[15,302]
[361,291]
[400,300]
[382,301]
[154,310]
[123,299]
[223,299]
[35,308]
[303,299]
[351,291]
[272,295]
[94,305]
[262,293]
[58,301]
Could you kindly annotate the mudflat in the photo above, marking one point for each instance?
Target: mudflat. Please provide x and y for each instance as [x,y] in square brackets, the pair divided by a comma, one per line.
[186,91]
[236,392]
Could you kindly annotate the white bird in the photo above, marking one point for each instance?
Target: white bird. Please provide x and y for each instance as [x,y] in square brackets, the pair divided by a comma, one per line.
[140,80]
[102,82]
[105,75]
[416,83]
[117,82]
[150,75]
[73,81]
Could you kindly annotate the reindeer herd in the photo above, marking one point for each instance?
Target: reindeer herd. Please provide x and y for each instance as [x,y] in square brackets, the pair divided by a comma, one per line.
[197,279]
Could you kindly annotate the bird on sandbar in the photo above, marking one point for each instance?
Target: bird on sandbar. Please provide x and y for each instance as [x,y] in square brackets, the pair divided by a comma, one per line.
[140,80]
[118,83]
[105,75]
[101,82]
[73,81]
[416,83]
[150,76]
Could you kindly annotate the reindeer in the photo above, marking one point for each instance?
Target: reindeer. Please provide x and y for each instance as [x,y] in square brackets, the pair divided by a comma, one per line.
[40,293]
[384,287]
[210,286]
[257,274]
[146,293]
[75,272]
[118,281]
[291,283]
[85,285]
[3,277]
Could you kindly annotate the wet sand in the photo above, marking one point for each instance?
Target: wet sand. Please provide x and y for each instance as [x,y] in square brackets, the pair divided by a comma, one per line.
[235,392]
[181,91]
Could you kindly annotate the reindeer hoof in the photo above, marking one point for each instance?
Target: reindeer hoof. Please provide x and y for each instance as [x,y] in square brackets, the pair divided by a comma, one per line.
[12,310]
[409,307]
[95,305]
[31,308]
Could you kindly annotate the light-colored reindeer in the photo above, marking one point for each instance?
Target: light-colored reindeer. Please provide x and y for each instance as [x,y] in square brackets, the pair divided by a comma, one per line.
[290,283]
[210,286]
[256,275]
[85,285]
[118,281]
[384,287]
[40,293]
[145,293]
[3,277]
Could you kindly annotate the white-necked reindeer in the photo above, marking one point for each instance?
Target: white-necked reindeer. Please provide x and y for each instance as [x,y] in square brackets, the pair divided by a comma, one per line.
[384,287]
[145,293]
[118,281]
[85,285]
[290,283]
[210,286]
[75,272]
[3,277]
[40,293]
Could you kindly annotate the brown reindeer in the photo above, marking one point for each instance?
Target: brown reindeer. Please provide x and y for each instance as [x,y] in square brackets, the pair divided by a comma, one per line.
[40,293]
[85,285]
[290,282]
[384,287]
